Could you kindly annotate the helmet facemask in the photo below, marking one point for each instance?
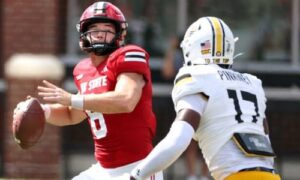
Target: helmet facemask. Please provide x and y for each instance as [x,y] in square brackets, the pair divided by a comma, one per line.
[104,47]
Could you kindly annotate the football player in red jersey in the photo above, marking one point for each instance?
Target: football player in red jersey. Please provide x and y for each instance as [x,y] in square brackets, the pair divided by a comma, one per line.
[114,93]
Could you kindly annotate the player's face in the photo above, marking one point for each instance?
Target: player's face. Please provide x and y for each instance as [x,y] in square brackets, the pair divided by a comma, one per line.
[101,32]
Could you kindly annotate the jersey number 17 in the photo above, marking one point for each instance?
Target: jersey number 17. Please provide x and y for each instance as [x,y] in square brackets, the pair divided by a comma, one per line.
[246,96]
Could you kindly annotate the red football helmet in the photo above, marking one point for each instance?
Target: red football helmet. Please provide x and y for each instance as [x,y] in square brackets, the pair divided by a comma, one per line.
[102,12]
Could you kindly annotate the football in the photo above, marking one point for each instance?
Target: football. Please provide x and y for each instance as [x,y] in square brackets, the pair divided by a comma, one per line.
[28,123]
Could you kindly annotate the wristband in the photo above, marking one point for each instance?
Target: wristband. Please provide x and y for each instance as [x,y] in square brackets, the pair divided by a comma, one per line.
[47,110]
[77,101]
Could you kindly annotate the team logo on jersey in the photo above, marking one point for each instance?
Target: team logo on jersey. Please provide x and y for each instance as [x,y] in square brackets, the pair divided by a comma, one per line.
[135,56]
[80,76]
[98,82]
[93,84]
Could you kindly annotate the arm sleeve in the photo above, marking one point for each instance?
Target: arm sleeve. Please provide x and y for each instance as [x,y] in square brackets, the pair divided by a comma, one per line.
[166,152]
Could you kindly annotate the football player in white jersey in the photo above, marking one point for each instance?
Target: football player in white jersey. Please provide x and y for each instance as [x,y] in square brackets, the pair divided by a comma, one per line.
[222,109]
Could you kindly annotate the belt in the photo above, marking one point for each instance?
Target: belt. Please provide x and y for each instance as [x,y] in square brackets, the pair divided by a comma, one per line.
[273,171]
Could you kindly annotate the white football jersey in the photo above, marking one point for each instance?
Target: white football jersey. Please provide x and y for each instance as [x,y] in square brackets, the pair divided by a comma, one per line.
[236,103]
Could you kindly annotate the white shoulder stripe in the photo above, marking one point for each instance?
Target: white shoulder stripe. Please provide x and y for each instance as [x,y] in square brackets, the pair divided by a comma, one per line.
[137,59]
[135,54]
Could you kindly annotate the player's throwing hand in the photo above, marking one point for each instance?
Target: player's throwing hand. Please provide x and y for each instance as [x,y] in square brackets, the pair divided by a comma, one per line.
[54,94]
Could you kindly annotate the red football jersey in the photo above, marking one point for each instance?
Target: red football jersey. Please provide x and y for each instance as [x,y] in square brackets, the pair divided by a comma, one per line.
[120,138]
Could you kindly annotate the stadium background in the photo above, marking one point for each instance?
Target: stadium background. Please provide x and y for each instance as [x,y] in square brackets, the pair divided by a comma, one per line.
[269,38]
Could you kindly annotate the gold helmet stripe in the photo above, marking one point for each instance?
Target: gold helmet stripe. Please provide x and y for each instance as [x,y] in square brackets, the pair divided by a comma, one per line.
[223,39]
[185,78]
[218,36]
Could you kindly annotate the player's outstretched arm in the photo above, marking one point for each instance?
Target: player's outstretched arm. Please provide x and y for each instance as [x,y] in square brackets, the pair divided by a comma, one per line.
[123,99]
[171,147]
[60,115]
